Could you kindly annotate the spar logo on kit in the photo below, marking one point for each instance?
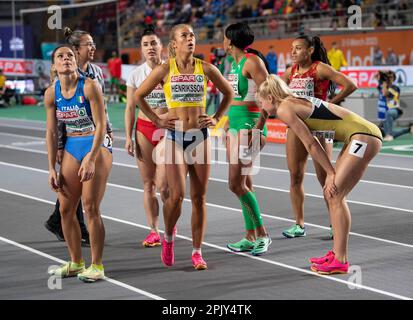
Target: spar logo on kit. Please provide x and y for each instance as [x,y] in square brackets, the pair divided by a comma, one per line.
[81,112]
[302,86]
[187,88]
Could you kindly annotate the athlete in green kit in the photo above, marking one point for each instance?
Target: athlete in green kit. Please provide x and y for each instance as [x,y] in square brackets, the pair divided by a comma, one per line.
[247,72]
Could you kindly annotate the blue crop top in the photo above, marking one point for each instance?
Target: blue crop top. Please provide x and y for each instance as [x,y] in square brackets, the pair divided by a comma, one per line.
[75,112]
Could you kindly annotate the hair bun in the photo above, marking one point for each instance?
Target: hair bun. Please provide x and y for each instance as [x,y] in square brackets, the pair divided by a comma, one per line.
[150,27]
[67,32]
[316,39]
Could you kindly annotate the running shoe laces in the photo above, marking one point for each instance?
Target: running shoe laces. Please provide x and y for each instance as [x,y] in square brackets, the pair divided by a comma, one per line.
[92,274]
[323,259]
[152,240]
[68,269]
[167,254]
[261,245]
[295,231]
[244,245]
[332,266]
[198,262]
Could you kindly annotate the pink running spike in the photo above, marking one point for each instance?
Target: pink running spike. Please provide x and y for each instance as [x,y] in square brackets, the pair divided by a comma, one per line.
[198,262]
[167,254]
[321,260]
[152,240]
[331,267]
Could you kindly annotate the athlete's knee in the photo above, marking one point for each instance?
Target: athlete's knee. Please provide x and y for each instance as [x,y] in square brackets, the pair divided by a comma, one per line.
[164,191]
[149,187]
[198,200]
[335,201]
[176,198]
[296,178]
[67,212]
[237,187]
[91,209]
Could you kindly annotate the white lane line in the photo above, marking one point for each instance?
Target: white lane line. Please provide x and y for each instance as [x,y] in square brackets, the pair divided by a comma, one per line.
[220,149]
[321,197]
[279,264]
[223,149]
[20,136]
[24,127]
[333,161]
[48,256]
[392,185]
[314,175]
[255,185]
[6,146]
[231,209]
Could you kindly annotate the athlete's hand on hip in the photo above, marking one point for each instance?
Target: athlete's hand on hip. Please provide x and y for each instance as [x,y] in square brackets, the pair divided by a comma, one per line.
[206,121]
[54,180]
[330,189]
[87,169]
[129,147]
[167,123]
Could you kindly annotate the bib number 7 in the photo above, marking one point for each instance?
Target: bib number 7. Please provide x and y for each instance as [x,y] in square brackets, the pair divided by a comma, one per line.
[358,148]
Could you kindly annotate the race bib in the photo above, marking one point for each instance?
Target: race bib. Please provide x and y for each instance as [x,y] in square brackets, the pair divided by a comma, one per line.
[233,81]
[188,88]
[357,148]
[245,153]
[107,142]
[327,135]
[156,99]
[302,86]
[76,120]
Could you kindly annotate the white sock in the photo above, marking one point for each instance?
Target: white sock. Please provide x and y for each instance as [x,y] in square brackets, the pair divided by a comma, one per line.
[169,238]
[196,250]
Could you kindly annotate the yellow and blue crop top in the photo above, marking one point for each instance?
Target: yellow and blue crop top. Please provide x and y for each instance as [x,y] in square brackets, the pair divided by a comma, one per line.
[185,90]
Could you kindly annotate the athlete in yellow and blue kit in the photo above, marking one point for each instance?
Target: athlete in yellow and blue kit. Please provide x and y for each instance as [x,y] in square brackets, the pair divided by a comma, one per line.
[184,80]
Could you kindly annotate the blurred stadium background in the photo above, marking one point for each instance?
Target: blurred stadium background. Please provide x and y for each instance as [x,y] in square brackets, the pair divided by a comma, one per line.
[26,40]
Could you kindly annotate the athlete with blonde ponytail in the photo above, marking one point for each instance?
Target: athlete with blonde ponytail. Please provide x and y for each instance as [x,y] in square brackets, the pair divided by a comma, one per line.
[184,81]
[362,141]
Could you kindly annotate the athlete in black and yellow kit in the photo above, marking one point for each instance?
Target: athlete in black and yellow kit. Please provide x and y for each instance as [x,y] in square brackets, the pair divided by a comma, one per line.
[362,141]
[187,147]
[247,72]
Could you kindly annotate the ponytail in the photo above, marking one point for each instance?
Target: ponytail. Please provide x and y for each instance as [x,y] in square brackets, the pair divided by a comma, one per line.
[319,54]
[259,54]
[73,37]
[171,50]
